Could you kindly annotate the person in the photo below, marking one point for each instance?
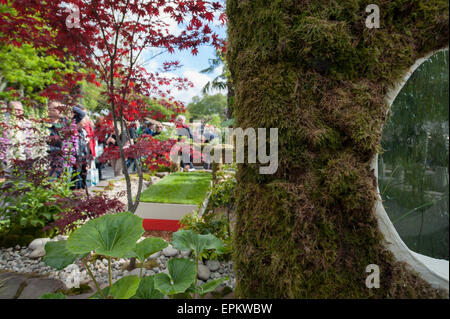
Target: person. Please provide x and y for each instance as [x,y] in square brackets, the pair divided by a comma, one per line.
[111,141]
[148,129]
[55,142]
[100,145]
[158,130]
[184,130]
[83,156]
[21,135]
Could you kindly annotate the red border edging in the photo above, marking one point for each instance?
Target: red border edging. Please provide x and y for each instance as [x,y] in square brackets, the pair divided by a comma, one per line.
[161,224]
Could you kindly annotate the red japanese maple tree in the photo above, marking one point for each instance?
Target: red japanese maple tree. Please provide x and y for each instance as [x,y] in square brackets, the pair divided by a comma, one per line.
[109,38]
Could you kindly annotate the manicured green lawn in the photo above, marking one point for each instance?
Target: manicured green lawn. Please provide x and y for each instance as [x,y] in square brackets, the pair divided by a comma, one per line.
[179,188]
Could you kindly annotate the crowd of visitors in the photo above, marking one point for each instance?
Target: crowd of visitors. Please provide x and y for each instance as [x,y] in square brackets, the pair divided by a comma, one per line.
[74,142]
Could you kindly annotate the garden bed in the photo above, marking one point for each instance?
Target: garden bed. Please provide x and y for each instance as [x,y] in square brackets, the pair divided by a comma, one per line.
[165,203]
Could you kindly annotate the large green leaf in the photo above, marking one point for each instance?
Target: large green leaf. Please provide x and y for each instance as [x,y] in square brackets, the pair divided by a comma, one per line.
[210,286]
[58,256]
[125,287]
[97,295]
[182,273]
[110,235]
[147,290]
[188,240]
[148,247]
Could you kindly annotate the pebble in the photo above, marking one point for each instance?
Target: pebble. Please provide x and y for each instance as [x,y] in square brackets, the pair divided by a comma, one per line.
[213,265]
[170,251]
[29,260]
[203,272]
[38,252]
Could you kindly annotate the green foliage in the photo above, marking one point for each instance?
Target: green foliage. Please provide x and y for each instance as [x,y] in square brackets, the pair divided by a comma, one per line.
[147,290]
[182,273]
[222,194]
[116,236]
[58,256]
[214,224]
[27,207]
[188,240]
[208,107]
[93,100]
[125,287]
[221,81]
[210,286]
[58,295]
[157,108]
[29,70]
[110,235]
[148,247]
[215,219]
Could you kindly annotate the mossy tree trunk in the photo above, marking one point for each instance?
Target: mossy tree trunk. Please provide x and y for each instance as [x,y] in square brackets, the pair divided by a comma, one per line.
[313,70]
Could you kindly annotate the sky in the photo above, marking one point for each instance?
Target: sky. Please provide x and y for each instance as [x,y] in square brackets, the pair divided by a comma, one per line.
[191,65]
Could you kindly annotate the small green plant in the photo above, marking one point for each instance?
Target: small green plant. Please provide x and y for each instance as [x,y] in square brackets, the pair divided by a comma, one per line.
[115,236]
[28,206]
[216,219]
[210,223]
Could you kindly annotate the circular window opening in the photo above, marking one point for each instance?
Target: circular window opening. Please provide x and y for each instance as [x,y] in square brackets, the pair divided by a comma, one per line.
[413,170]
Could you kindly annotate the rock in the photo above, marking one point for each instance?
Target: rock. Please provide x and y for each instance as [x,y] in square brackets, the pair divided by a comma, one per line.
[215,275]
[155,255]
[38,252]
[203,272]
[72,267]
[38,243]
[213,265]
[185,253]
[17,247]
[169,251]
[162,174]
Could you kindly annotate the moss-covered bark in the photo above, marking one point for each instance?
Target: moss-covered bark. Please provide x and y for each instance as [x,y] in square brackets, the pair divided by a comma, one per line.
[312,69]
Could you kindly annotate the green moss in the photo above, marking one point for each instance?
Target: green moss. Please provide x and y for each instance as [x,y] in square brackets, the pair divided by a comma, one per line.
[313,70]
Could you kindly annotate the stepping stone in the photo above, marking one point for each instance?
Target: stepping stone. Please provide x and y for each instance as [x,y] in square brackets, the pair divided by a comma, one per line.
[36,287]
[11,284]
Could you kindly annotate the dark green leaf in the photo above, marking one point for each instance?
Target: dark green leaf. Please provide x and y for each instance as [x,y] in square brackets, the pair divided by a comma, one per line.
[146,289]
[125,287]
[182,273]
[148,247]
[188,240]
[58,256]
[110,235]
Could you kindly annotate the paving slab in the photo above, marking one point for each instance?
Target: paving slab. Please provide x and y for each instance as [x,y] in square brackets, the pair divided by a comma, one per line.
[11,284]
[36,287]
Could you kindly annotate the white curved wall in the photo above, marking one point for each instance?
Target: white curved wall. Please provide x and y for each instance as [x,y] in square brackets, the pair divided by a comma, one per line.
[434,271]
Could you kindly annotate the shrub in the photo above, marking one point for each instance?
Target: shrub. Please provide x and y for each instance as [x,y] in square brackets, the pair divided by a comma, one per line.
[29,202]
